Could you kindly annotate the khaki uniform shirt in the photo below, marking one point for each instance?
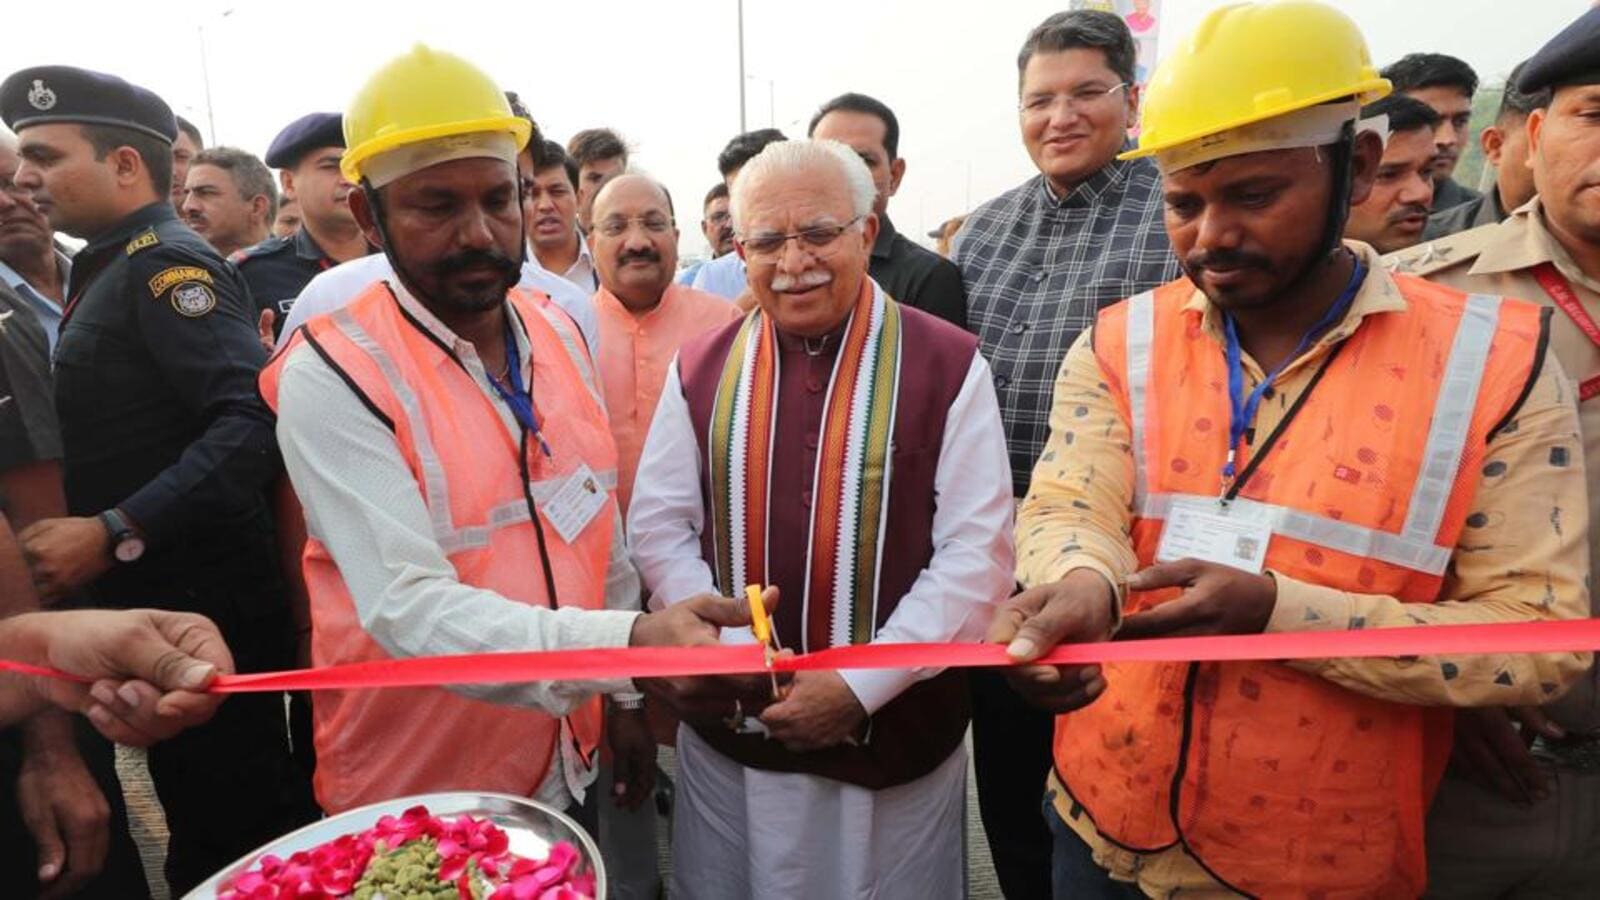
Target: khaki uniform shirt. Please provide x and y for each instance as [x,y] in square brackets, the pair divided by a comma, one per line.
[1499,259]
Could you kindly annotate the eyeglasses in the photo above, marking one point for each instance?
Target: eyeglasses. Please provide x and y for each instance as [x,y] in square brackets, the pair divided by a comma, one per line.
[1089,96]
[718,218]
[819,239]
[617,226]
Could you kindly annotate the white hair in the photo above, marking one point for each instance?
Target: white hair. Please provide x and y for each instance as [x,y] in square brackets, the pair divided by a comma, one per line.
[781,157]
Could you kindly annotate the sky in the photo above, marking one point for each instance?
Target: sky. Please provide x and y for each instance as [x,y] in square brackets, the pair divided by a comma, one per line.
[664,74]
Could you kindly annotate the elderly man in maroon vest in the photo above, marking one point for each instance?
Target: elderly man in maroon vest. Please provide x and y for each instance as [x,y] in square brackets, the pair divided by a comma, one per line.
[847,450]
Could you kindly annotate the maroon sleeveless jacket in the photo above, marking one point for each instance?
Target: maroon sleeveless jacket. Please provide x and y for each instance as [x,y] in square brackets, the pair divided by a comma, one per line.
[912,734]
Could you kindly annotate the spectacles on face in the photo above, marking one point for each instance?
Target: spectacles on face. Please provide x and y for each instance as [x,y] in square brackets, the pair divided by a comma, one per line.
[819,240]
[617,226]
[1080,99]
[718,218]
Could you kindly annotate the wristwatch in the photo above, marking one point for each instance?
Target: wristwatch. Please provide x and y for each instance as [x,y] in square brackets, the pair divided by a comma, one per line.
[126,547]
[627,701]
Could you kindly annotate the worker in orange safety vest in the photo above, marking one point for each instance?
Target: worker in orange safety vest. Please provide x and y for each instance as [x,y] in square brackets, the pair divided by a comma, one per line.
[447,441]
[1289,438]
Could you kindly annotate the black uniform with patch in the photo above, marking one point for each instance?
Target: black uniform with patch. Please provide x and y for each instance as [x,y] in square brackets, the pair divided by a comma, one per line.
[155,376]
[277,270]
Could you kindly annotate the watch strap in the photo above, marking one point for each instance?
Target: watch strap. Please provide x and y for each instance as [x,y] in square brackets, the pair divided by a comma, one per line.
[115,525]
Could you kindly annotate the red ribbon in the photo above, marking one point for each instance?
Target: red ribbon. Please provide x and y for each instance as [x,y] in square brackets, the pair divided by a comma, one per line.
[658,662]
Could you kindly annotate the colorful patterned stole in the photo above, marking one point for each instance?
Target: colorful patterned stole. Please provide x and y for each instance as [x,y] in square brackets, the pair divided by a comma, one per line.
[850,486]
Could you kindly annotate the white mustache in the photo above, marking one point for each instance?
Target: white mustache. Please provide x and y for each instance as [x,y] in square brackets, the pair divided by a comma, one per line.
[803,281]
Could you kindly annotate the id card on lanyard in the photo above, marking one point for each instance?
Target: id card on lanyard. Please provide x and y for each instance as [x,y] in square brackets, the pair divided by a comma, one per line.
[1223,531]
[1566,299]
[580,497]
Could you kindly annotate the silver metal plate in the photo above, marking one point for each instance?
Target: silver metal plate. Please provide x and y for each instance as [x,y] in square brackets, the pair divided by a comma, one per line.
[532,828]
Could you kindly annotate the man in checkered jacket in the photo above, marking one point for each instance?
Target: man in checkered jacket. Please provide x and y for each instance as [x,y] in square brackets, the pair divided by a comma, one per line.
[1038,262]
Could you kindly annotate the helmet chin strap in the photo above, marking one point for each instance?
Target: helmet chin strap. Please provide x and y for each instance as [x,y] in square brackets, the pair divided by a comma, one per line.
[1341,155]
[380,221]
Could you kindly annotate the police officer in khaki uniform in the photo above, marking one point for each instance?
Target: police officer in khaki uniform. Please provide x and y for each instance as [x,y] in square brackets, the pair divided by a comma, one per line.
[168,448]
[1519,813]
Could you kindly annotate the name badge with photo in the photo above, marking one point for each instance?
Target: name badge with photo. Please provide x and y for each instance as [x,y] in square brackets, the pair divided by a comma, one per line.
[1234,535]
[575,504]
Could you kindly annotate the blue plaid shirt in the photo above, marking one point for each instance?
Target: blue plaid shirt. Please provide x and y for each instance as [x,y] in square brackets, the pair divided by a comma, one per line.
[1037,269]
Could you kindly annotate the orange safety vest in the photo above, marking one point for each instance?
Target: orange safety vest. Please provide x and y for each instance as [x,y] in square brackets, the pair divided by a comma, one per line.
[1279,782]
[480,488]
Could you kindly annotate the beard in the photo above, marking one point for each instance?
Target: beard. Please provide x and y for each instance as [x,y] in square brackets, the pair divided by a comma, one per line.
[485,295]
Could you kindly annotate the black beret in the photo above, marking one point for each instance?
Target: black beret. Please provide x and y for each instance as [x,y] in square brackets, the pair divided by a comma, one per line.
[307,133]
[1571,57]
[46,94]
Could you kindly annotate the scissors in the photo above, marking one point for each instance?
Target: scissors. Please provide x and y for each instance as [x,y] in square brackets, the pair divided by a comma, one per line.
[765,631]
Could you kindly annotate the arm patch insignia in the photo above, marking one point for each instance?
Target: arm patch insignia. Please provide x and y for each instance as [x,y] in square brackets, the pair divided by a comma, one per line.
[193,299]
[166,278]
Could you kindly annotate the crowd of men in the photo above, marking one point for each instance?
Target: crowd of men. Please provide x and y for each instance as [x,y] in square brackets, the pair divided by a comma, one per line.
[441,387]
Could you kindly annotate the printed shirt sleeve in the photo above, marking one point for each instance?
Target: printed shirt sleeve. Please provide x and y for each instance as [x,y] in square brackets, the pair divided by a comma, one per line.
[1077,514]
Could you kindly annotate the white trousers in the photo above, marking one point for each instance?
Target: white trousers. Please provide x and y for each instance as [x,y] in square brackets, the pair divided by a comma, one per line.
[741,833]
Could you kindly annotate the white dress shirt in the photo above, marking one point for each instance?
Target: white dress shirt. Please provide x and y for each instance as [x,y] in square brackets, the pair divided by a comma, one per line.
[582,274]
[363,503]
[339,285]
[952,600]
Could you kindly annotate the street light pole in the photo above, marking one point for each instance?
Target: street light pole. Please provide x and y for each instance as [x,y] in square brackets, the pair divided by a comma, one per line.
[205,77]
[741,67]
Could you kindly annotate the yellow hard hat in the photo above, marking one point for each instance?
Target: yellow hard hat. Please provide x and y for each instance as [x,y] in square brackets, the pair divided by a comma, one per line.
[422,95]
[1254,61]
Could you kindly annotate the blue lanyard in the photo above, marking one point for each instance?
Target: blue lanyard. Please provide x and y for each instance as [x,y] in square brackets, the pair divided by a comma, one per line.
[519,398]
[1244,407]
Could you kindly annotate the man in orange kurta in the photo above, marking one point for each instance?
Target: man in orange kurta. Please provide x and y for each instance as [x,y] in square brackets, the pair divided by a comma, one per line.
[644,316]
[644,319]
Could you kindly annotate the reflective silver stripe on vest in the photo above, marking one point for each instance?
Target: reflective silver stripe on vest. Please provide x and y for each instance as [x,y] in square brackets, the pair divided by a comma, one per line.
[1357,540]
[1141,331]
[435,488]
[476,537]
[563,327]
[1415,546]
[1452,417]
[434,484]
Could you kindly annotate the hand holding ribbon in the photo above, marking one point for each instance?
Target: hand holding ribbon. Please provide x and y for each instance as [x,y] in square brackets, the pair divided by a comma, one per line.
[697,622]
[1076,609]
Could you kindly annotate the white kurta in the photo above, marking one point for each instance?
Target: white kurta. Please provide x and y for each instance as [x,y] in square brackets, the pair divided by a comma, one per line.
[741,832]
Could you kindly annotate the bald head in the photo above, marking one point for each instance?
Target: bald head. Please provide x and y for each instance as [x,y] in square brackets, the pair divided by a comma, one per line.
[634,240]
[630,184]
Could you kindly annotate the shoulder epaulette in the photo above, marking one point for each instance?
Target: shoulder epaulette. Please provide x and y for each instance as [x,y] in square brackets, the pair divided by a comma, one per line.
[1440,254]
[142,240]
